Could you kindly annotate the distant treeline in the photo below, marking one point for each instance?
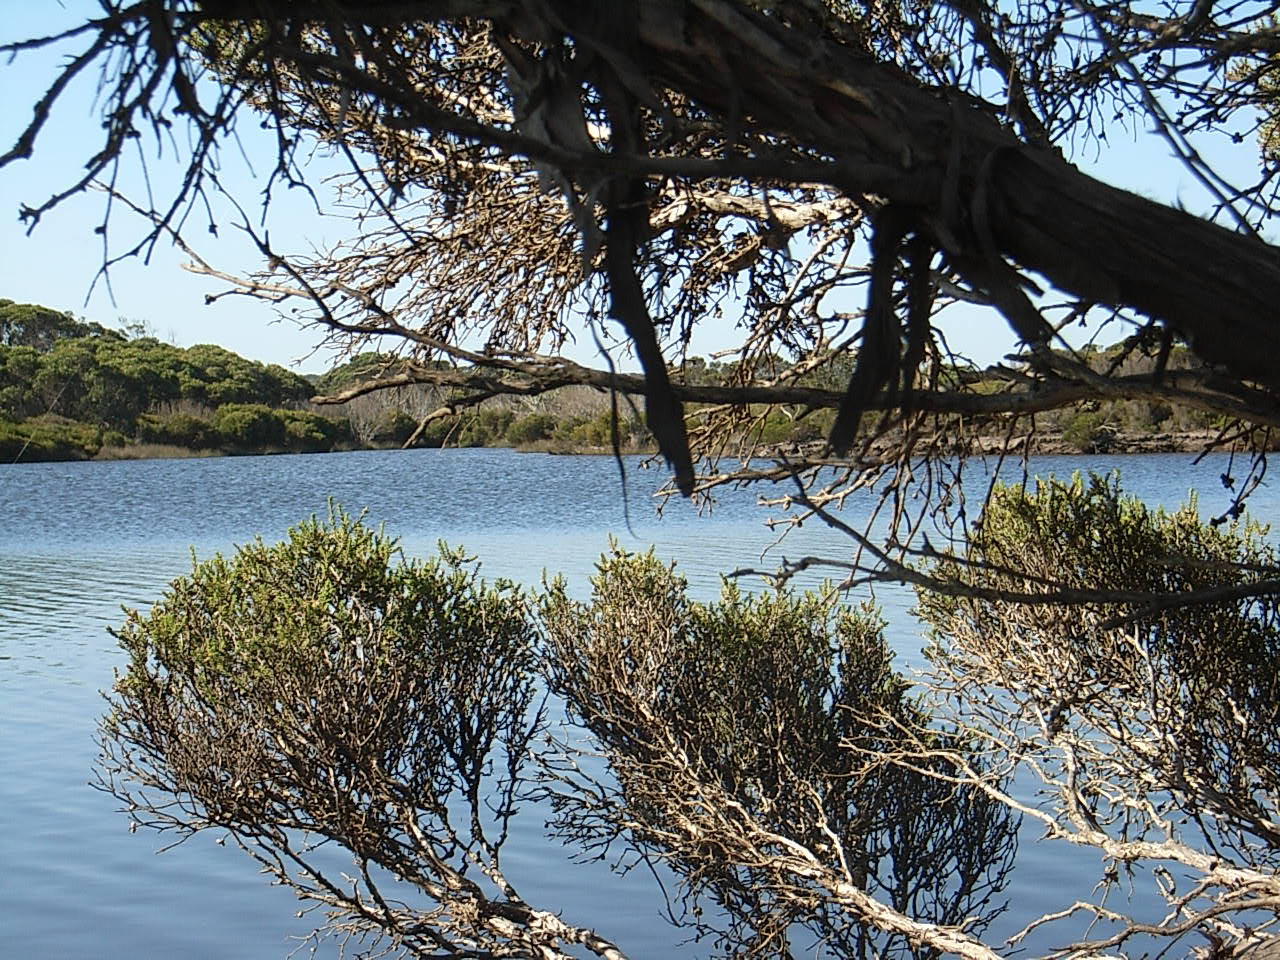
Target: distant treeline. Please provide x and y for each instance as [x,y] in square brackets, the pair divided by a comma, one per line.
[577,418]
[75,390]
[72,390]
[1099,426]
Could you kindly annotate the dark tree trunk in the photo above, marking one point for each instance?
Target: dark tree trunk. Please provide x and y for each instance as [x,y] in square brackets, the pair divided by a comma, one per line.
[974,183]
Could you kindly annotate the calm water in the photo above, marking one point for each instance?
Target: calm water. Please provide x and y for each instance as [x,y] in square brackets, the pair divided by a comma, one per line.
[78,541]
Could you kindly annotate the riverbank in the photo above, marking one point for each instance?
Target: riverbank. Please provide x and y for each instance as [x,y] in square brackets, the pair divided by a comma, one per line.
[1188,441]
[1185,441]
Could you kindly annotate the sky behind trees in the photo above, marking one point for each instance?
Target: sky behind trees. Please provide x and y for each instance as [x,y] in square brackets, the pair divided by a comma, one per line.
[57,264]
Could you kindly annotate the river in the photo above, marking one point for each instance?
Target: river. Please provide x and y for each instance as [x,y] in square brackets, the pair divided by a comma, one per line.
[80,540]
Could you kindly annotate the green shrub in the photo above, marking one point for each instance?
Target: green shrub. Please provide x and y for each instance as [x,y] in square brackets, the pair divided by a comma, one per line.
[592,433]
[1164,688]
[777,428]
[327,685]
[48,439]
[335,598]
[568,430]
[776,707]
[439,432]
[485,427]
[531,429]
[303,437]
[179,430]
[393,427]
[1089,432]
[306,432]
[248,426]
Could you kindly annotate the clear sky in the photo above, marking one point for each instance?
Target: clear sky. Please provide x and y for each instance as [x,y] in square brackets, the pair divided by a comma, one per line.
[57,264]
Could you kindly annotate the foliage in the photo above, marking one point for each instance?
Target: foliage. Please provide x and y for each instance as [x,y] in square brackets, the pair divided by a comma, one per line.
[18,369]
[1262,80]
[1151,712]
[39,328]
[328,685]
[359,369]
[215,376]
[531,428]
[761,746]
[48,438]
[1089,432]
[179,430]
[101,380]
[248,426]
[757,717]
[105,379]
[581,431]
[328,689]
[484,427]
[393,426]
[306,432]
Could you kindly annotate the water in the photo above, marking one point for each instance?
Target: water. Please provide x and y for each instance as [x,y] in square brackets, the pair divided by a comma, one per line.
[80,540]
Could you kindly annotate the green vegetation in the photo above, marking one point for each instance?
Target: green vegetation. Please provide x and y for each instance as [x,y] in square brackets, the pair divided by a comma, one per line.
[51,438]
[69,389]
[328,687]
[777,707]
[1128,657]
[38,327]
[357,370]
[1100,425]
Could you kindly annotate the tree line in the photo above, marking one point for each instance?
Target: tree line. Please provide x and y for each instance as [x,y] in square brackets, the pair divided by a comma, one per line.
[70,389]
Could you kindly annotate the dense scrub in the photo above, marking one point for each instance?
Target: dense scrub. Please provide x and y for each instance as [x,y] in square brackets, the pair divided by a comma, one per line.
[762,746]
[69,388]
[327,688]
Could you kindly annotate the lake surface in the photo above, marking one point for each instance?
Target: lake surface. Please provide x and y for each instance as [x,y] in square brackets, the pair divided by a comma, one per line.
[80,540]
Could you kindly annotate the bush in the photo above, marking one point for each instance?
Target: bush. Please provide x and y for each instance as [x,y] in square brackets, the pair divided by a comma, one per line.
[306,432]
[439,432]
[570,431]
[777,428]
[592,433]
[48,439]
[327,687]
[179,430]
[531,429]
[393,427]
[248,426]
[1089,432]
[486,427]
[779,708]
[1149,705]
[303,437]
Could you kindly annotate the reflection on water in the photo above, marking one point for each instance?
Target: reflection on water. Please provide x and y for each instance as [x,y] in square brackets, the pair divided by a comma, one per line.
[79,541]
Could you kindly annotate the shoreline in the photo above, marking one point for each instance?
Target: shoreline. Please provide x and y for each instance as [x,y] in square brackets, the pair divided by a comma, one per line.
[1196,441]
[1188,441]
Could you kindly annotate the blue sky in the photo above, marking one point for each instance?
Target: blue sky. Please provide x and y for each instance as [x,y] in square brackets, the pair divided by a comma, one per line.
[57,264]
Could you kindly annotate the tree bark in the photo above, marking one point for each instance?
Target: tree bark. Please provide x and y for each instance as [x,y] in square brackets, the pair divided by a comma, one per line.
[975,185]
